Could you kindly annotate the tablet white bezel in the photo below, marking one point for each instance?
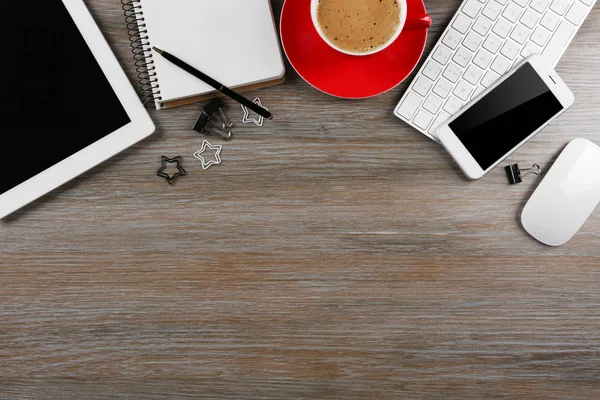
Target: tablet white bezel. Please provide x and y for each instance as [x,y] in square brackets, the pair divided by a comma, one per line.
[459,152]
[140,127]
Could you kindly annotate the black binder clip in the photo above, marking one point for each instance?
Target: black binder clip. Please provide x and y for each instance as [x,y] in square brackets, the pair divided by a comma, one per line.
[515,174]
[208,122]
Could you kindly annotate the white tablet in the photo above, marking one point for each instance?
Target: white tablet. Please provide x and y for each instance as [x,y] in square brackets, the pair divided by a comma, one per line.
[65,103]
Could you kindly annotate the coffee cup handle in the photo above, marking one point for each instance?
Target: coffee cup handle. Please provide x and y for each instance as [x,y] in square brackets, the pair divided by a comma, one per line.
[422,22]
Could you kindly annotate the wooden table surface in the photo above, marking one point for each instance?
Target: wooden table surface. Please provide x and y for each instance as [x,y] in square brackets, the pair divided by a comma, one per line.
[336,253]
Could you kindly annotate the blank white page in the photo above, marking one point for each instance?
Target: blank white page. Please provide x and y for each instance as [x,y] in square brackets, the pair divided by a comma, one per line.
[232,41]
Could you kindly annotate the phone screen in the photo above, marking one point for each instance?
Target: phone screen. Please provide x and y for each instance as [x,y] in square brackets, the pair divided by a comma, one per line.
[506,116]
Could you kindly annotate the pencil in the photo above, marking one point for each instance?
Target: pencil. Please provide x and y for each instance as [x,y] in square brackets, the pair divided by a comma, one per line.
[214,83]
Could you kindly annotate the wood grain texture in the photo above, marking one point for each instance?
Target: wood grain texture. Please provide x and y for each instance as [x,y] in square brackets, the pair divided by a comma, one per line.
[336,254]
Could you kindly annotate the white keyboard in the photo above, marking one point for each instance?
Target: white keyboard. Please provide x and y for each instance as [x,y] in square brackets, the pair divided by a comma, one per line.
[483,41]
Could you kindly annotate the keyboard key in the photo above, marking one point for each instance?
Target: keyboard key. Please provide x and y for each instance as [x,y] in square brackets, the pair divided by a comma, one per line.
[432,104]
[512,12]
[501,65]
[492,43]
[489,79]
[587,2]
[442,88]
[550,20]
[530,49]
[478,90]
[482,25]
[442,54]
[503,2]
[510,49]
[522,3]
[520,34]
[409,106]
[539,5]
[452,72]
[472,8]
[560,6]
[502,28]
[463,90]
[517,60]
[492,10]
[452,38]
[472,41]
[423,119]
[540,36]
[576,13]
[422,85]
[439,121]
[432,70]
[473,75]
[462,23]
[453,105]
[530,18]
[462,57]
[483,58]
[558,42]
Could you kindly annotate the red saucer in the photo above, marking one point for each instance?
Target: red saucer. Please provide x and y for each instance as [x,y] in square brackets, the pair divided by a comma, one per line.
[342,75]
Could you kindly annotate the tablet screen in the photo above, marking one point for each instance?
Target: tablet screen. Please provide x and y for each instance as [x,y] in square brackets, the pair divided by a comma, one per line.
[55,100]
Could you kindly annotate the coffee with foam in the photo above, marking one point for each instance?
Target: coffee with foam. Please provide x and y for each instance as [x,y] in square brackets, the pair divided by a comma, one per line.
[359,26]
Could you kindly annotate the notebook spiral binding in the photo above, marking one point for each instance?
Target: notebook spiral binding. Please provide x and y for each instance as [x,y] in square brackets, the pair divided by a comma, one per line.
[140,46]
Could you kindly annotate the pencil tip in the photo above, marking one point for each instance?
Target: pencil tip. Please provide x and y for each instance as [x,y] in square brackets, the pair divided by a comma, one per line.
[156,49]
[271,117]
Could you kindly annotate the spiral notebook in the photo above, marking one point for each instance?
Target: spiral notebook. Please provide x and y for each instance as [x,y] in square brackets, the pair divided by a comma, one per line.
[233,41]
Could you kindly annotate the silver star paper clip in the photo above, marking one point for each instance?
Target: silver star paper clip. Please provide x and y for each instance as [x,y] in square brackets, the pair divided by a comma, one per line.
[247,119]
[215,155]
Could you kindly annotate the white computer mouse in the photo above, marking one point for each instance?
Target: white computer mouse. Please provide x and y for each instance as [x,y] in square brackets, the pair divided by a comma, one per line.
[567,195]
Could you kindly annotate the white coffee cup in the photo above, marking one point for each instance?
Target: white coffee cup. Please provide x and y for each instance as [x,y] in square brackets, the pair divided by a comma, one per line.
[422,22]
